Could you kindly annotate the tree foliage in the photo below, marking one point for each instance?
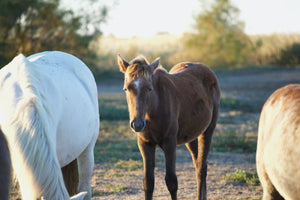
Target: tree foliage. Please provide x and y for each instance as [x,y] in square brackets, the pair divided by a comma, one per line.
[31,26]
[290,56]
[219,39]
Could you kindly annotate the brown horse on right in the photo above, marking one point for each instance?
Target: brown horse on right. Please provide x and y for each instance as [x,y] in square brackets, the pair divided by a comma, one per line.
[168,109]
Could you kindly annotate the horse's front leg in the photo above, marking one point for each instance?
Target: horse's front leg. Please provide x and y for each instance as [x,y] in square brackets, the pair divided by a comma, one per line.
[147,150]
[169,148]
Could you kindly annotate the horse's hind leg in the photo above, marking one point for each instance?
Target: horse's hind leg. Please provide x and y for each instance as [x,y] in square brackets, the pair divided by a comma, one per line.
[269,191]
[85,170]
[199,149]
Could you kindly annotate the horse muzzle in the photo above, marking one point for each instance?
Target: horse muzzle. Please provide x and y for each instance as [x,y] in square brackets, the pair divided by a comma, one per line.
[138,125]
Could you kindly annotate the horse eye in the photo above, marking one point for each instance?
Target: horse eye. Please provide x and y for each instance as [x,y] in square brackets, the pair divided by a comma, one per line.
[150,89]
[125,89]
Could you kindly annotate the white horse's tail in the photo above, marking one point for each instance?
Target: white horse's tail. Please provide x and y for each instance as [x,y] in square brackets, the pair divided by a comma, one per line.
[33,154]
[79,196]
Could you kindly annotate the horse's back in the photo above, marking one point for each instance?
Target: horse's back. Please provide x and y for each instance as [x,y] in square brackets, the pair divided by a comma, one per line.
[278,148]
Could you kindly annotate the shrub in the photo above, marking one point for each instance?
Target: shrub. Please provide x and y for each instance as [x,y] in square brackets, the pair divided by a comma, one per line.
[290,56]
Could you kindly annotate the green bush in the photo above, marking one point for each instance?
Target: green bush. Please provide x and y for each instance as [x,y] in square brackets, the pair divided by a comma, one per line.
[290,56]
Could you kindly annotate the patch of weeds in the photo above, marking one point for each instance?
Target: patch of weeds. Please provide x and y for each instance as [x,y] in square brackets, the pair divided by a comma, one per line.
[235,104]
[113,108]
[109,189]
[231,141]
[129,165]
[110,174]
[243,176]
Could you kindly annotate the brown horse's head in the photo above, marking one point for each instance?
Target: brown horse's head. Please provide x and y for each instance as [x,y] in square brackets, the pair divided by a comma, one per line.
[138,86]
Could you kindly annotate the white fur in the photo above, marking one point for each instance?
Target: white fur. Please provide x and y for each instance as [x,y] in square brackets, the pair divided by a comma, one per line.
[49,114]
[137,84]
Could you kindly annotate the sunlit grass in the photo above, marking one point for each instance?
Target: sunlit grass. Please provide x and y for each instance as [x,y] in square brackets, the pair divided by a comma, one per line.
[129,165]
[243,176]
[109,189]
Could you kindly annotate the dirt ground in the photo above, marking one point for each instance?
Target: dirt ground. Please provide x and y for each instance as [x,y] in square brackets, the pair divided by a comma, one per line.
[251,86]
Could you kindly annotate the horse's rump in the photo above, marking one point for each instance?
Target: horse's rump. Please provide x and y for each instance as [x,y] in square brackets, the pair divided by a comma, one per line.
[278,146]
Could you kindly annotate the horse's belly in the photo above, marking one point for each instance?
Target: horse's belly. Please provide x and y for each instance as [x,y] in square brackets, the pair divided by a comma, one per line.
[77,130]
[74,101]
[191,126]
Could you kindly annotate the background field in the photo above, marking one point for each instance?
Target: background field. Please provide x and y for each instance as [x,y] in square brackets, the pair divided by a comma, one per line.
[170,48]
[231,163]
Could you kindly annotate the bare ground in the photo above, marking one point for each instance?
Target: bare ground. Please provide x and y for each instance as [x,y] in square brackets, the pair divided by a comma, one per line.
[250,86]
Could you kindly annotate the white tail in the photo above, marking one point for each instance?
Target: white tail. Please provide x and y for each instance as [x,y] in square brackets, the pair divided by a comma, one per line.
[79,196]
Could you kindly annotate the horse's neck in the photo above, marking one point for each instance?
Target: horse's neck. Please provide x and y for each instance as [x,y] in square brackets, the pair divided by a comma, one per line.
[159,95]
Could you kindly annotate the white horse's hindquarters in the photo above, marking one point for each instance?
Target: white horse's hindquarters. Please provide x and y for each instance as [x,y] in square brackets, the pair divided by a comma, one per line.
[73,96]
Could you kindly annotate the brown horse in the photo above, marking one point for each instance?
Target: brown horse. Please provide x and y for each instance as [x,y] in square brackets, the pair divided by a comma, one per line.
[168,109]
[278,146]
[5,167]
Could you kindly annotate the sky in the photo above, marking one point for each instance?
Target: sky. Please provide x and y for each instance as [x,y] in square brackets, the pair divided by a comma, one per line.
[144,18]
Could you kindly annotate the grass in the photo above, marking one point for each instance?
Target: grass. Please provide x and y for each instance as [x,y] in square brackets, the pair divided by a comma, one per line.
[229,103]
[231,141]
[113,108]
[129,165]
[110,189]
[243,176]
[116,142]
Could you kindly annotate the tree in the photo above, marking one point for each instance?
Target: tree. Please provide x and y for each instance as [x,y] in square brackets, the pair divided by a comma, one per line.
[219,39]
[31,26]
[289,56]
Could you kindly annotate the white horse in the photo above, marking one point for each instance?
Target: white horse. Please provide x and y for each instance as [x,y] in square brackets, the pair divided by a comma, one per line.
[49,115]
[278,146]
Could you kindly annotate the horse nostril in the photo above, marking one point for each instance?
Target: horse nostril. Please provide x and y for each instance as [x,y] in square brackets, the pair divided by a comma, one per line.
[138,125]
[132,124]
[143,123]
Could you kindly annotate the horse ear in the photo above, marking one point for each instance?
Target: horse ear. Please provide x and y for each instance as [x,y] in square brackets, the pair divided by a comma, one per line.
[154,64]
[123,64]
